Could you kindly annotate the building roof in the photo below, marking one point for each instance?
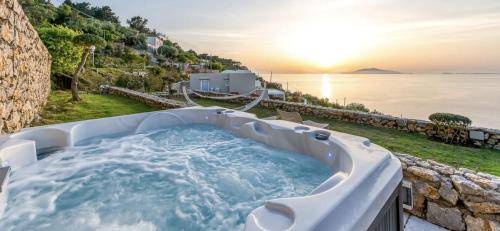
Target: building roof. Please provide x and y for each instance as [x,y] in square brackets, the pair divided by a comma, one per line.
[236,71]
[273,91]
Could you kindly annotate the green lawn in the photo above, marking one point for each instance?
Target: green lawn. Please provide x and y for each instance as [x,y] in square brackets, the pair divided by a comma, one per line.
[60,109]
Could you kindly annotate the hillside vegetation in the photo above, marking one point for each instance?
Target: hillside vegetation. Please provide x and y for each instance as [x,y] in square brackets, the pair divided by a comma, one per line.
[123,59]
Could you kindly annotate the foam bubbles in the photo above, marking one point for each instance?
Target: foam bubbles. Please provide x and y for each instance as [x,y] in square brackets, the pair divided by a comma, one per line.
[194,177]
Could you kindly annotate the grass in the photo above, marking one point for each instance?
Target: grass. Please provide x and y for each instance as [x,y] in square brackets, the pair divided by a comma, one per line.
[479,159]
[60,109]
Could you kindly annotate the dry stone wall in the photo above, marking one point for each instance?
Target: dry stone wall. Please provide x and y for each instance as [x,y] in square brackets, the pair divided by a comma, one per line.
[24,69]
[457,199]
[148,99]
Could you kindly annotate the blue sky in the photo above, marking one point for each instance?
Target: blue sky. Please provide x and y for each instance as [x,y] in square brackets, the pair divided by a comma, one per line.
[325,35]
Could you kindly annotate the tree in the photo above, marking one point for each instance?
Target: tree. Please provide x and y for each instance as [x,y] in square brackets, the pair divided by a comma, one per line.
[187,57]
[168,51]
[214,65]
[86,41]
[183,58]
[63,14]
[59,42]
[168,81]
[131,58]
[133,39]
[139,23]
[83,7]
[105,13]
[192,52]
[168,43]
[192,57]
[39,12]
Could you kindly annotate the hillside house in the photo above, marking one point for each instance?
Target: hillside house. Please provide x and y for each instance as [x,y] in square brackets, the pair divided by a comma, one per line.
[233,82]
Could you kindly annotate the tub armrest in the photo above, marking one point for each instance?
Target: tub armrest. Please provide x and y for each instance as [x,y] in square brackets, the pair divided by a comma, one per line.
[271,118]
[314,124]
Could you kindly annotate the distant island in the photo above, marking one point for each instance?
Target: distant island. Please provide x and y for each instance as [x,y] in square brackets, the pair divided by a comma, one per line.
[373,71]
[470,73]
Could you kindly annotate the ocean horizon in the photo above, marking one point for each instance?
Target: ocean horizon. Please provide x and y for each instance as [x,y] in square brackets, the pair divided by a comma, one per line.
[408,95]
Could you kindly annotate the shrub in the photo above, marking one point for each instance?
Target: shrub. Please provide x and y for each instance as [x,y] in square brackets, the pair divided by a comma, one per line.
[130,82]
[153,83]
[357,107]
[214,65]
[451,128]
[450,119]
[318,101]
[108,50]
[274,85]
[155,70]
[294,96]
[132,59]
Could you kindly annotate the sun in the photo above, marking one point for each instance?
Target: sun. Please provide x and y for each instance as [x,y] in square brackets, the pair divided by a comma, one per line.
[325,45]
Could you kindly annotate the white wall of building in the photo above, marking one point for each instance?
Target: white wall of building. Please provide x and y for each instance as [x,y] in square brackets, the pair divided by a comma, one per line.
[225,82]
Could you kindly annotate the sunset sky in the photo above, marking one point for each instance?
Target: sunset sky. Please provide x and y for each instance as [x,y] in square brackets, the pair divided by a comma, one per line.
[296,36]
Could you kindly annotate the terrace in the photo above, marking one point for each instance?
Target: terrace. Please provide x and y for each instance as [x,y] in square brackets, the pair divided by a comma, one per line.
[132,160]
[58,110]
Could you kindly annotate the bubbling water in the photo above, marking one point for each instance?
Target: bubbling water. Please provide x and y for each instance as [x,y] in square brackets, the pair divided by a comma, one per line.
[195,177]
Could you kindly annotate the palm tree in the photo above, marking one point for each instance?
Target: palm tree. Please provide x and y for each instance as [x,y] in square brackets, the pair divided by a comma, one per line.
[87,41]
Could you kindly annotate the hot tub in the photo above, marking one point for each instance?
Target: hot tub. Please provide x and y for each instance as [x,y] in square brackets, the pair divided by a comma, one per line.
[341,182]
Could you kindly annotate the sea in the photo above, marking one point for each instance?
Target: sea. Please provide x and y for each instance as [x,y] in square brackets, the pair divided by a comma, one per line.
[416,96]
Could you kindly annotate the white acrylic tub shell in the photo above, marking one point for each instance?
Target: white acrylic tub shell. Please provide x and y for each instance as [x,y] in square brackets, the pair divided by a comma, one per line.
[363,174]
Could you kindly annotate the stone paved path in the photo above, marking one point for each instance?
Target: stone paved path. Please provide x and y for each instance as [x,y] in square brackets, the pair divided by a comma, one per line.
[413,223]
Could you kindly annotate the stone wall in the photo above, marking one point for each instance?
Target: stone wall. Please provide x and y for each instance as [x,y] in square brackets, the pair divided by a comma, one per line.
[481,137]
[148,99]
[24,69]
[457,199]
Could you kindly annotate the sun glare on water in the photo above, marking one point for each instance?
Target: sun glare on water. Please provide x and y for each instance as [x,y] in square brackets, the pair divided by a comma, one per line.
[325,45]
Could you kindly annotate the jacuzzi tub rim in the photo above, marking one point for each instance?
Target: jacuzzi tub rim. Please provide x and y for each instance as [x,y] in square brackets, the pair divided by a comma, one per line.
[352,146]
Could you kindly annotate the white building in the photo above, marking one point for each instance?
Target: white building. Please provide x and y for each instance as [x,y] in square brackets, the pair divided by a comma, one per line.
[276,94]
[234,82]
[155,42]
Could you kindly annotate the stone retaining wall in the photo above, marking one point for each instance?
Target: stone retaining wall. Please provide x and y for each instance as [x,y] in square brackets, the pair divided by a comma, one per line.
[457,199]
[481,137]
[148,99]
[24,69]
